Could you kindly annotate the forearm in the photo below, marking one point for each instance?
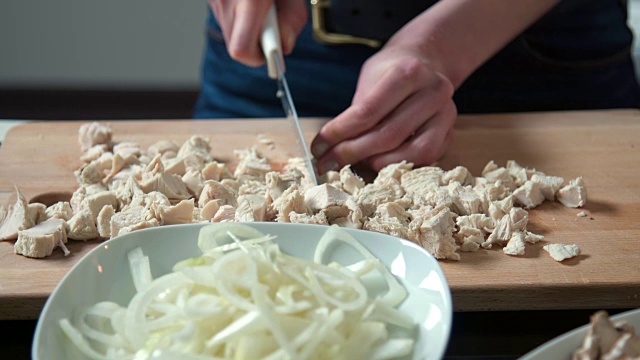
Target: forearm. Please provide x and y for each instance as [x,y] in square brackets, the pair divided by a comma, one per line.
[460,35]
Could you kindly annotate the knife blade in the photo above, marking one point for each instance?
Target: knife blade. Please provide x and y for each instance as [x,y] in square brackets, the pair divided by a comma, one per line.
[272,49]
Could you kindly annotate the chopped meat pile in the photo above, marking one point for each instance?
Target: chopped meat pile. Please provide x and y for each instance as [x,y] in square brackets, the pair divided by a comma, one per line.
[608,340]
[124,187]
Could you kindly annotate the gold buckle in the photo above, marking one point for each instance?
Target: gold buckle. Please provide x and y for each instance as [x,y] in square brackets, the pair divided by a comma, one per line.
[321,34]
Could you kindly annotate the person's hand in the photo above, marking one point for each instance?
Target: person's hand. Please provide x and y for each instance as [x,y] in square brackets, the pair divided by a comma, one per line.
[402,110]
[241,22]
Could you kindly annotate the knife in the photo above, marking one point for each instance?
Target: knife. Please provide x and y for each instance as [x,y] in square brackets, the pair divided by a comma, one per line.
[272,49]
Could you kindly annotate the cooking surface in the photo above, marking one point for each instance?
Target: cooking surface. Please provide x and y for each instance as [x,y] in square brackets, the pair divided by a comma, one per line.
[601,146]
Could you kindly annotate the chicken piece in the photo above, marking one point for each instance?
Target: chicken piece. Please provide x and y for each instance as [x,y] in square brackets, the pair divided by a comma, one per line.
[350,182]
[387,225]
[169,184]
[253,187]
[215,190]
[82,192]
[549,185]
[465,200]
[175,166]
[226,213]
[474,226]
[103,222]
[153,203]
[232,183]
[573,195]
[383,190]
[275,186]
[393,210]
[94,133]
[491,166]
[40,240]
[15,218]
[296,170]
[501,174]
[471,243]
[601,338]
[251,165]
[37,213]
[182,213]
[216,171]
[82,225]
[517,172]
[127,149]
[96,202]
[322,196]
[251,208]
[139,226]
[60,210]
[163,146]
[519,218]
[210,209]
[532,238]
[96,171]
[330,177]
[500,208]
[516,245]
[421,181]
[128,219]
[126,192]
[348,214]
[117,164]
[291,200]
[434,232]
[196,152]
[394,171]
[94,153]
[317,219]
[501,234]
[458,174]
[194,180]
[561,252]
[529,195]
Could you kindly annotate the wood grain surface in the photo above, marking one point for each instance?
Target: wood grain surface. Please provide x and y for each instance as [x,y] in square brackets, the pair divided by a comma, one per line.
[601,146]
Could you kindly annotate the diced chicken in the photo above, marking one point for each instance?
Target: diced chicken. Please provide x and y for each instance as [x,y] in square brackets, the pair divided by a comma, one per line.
[125,192]
[82,226]
[532,238]
[387,225]
[127,149]
[516,245]
[251,208]
[251,165]
[103,222]
[96,171]
[37,213]
[162,147]
[15,218]
[529,195]
[253,187]
[128,219]
[382,191]
[561,252]
[182,213]
[322,196]
[96,202]
[291,200]
[94,153]
[465,200]
[420,181]
[139,226]
[210,209]
[501,234]
[194,180]
[275,186]
[350,182]
[348,214]
[474,228]
[434,232]
[517,172]
[549,185]
[92,134]
[501,174]
[60,210]
[500,208]
[226,213]
[491,166]
[118,163]
[471,243]
[519,218]
[393,210]
[175,166]
[573,195]
[317,219]
[40,240]
[395,171]
[296,170]
[216,171]
[169,184]
[607,341]
[215,190]
[82,192]
[196,152]
[459,174]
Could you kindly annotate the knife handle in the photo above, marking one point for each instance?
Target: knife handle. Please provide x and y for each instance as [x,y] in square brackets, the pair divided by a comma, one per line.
[271,43]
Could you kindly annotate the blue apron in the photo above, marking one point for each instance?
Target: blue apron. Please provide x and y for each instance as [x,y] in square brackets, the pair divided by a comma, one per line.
[578,56]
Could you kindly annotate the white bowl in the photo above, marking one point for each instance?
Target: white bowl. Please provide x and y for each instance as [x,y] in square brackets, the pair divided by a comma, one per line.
[103,274]
[563,346]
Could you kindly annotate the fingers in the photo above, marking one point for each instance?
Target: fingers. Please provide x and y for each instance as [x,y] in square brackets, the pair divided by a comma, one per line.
[427,145]
[394,86]
[242,21]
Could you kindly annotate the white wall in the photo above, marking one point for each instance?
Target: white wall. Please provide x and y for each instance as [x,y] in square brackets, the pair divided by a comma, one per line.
[101,43]
[114,43]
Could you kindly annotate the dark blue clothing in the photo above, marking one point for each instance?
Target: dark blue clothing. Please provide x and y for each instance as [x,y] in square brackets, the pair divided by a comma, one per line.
[578,56]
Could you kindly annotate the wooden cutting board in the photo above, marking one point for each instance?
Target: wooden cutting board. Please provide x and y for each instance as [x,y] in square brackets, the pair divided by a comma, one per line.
[601,146]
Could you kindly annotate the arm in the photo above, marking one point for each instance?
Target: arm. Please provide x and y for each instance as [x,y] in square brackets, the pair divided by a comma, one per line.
[403,108]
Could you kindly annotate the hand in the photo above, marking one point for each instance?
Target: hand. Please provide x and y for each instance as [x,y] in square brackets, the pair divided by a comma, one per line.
[241,22]
[402,110]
